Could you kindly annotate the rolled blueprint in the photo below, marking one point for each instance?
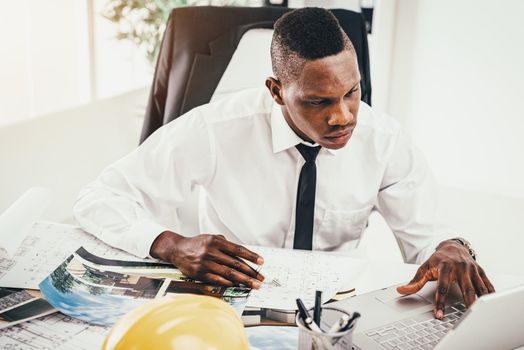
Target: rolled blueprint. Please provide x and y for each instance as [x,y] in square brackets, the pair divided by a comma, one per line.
[16,220]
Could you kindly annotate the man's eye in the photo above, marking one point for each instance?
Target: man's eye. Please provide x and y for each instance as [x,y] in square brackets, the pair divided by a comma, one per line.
[352,92]
[316,103]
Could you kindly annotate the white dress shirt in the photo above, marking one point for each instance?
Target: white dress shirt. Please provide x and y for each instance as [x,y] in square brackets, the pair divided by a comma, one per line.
[241,154]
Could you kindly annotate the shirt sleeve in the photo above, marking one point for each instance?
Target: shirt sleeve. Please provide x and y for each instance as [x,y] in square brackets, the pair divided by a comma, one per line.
[135,199]
[408,201]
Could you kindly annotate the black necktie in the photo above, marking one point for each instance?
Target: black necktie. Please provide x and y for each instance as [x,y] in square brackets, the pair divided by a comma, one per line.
[306,199]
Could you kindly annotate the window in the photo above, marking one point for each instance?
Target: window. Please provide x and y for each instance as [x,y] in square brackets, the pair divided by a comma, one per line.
[59,54]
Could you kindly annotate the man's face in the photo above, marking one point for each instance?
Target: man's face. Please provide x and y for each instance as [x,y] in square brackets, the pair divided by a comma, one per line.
[321,106]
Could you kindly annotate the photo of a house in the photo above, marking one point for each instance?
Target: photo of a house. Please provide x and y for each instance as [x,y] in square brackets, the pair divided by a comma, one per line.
[100,291]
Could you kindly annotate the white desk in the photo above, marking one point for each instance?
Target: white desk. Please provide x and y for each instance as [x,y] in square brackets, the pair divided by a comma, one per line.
[379,274]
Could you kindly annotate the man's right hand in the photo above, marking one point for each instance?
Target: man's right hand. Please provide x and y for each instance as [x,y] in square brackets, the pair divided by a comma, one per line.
[208,258]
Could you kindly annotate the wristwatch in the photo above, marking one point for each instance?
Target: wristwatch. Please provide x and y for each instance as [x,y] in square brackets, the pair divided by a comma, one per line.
[466,244]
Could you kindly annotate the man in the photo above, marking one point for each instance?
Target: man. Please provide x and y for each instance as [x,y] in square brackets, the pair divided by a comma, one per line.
[290,168]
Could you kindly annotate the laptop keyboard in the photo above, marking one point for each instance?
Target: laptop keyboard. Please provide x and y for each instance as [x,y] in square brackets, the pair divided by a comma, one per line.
[417,333]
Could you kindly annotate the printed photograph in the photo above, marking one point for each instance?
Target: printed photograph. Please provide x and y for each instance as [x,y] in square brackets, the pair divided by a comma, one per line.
[153,269]
[100,291]
[235,296]
[19,305]
[96,296]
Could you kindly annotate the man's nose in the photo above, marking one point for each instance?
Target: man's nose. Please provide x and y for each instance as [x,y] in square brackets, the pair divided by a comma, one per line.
[340,115]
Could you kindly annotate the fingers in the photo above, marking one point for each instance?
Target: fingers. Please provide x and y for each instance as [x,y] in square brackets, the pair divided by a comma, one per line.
[480,286]
[216,279]
[233,249]
[232,258]
[474,282]
[421,277]
[443,285]
[231,275]
[468,290]
[486,280]
[237,264]
[212,258]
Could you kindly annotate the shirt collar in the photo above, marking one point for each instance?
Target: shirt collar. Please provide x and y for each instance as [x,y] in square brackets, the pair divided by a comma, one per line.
[283,136]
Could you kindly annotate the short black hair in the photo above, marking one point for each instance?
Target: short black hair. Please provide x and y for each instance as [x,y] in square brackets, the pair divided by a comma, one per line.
[302,35]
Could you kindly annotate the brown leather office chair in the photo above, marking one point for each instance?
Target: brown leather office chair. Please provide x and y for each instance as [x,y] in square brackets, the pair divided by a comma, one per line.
[198,44]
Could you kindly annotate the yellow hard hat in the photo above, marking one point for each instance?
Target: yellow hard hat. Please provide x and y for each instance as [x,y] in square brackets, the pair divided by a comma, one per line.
[185,322]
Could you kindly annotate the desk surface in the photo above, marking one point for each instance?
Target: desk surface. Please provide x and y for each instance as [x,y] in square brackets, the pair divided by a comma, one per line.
[379,274]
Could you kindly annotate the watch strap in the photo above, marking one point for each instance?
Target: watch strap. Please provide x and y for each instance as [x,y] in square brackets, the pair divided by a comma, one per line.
[466,244]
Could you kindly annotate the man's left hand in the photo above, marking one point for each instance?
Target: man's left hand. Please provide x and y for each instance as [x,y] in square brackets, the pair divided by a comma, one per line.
[450,263]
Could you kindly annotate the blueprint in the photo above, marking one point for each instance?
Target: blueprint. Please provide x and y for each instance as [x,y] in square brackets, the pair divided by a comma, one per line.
[300,273]
[45,246]
[53,332]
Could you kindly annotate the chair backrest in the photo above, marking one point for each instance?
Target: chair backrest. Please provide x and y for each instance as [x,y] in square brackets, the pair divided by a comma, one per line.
[250,64]
[198,44]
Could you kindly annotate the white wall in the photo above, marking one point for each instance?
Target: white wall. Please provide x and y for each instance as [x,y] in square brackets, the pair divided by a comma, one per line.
[66,150]
[457,87]
[454,81]
[48,63]
[41,67]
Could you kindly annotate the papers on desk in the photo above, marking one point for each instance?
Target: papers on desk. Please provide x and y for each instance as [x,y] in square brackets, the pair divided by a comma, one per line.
[18,219]
[100,291]
[30,250]
[19,305]
[53,332]
[81,288]
[300,274]
[47,245]
[44,247]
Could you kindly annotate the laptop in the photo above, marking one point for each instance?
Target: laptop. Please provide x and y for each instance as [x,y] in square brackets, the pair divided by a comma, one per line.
[393,321]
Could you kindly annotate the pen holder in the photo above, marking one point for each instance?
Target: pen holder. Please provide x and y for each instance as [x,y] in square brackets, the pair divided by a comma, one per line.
[311,340]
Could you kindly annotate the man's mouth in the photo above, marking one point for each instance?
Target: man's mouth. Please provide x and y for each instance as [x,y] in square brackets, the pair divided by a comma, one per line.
[340,137]
[339,133]
[335,136]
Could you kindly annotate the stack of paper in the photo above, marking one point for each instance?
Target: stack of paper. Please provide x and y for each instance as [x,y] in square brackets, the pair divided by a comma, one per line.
[18,219]
[44,247]
[19,305]
[300,273]
[53,332]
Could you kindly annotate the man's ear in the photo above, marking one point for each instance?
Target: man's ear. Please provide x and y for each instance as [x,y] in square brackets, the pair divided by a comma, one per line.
[275,89]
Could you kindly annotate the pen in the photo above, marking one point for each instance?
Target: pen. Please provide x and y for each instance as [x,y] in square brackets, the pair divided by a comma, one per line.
[308,323]
[304,314]
[344,323]
[351,321]
[267,278]
[317,310]
[341,323]
[272,280]
[314,327]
